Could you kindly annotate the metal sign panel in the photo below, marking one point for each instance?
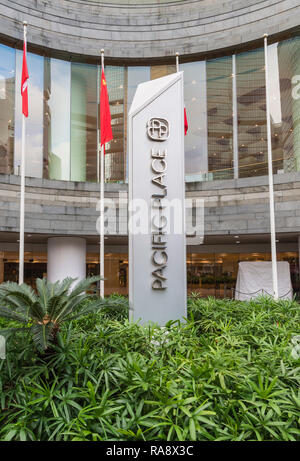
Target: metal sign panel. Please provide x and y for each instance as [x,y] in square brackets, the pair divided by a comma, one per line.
[157,251]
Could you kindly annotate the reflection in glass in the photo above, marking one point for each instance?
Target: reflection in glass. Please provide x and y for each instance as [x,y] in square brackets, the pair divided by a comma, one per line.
[7,90]
[133,76]
[227,135]
[287,135]
[195,103]
[251,106]
[208,274]
[219,117]
[162,70]
[34,122]
[215,274]
[83,122]
[116,271]
[114,153]
[57,93]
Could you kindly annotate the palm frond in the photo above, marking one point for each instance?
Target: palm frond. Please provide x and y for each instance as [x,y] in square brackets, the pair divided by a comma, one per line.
[11,314]
[70,305]
[43,292]
[36,311]
[84,285]
[19,297]
[8,331]
[64,285]
[18,301]
[55,305]
[77,295]
[52,305]
[42,335]
[13,287]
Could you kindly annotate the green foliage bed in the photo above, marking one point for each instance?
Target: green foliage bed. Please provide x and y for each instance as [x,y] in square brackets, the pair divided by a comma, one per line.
[226,374]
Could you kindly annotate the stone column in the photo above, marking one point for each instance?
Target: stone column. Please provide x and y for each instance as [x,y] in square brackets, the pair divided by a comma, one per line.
[66,258]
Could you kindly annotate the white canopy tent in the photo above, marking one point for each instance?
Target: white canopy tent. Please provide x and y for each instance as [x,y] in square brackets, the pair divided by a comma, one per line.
[255,279]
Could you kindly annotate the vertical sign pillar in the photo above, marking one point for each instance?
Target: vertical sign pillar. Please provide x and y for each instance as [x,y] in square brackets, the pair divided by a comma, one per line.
[157,251]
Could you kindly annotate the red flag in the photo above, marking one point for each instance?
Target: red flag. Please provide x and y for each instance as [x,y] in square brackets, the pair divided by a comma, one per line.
[186,125]
[24,84]
[105,118]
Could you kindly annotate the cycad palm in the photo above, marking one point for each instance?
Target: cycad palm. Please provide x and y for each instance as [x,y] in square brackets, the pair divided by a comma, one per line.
[54,303]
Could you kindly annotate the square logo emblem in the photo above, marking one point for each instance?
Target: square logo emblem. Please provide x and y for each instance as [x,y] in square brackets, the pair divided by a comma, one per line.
[158,129]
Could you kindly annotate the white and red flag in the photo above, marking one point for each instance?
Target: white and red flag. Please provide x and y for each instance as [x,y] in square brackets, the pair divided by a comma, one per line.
[24,83]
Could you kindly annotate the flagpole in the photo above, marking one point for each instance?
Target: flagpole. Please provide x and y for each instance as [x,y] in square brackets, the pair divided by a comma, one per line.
[102,205]
[270,170]
[177,62]
[98,124]
[22,192]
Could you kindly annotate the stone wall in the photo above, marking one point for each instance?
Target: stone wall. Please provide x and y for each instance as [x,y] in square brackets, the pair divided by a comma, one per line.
[69,208]
[139,31]
[242,205]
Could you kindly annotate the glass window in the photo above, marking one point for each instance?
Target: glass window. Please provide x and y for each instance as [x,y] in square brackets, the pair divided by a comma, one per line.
[201,274]
[34,122]
[7,101]
[227,135]
[57,94]
[212,274]
[83,122]
[215,274]
[133,76]
[251,108]
[35,266]
[115,168]
[219,118]
[286,131]
[195,103]
[115,269]
[162,70]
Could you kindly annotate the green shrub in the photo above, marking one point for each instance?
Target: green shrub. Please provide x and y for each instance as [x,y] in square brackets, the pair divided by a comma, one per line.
[43,312]
[227,373]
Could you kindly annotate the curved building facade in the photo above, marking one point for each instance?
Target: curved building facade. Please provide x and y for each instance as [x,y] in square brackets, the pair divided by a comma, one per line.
[222,56]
